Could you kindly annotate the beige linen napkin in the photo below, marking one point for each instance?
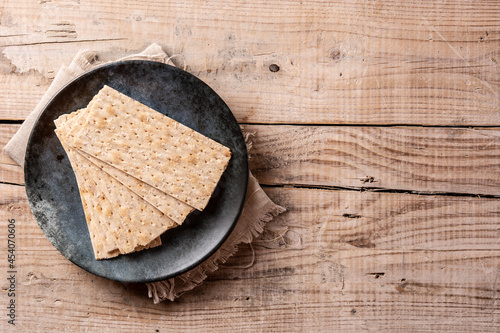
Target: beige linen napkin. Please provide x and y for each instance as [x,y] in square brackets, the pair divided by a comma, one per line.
[258,209]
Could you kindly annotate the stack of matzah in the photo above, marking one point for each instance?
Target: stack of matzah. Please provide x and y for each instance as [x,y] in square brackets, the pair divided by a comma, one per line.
[139,172]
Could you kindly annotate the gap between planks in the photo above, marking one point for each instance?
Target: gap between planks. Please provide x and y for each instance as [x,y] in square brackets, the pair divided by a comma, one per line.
[380,190]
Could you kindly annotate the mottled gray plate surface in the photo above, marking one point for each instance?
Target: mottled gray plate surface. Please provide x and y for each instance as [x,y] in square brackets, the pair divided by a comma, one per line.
[53,191]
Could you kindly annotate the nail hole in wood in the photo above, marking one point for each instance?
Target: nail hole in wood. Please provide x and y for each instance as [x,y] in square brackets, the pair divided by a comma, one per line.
[274,68]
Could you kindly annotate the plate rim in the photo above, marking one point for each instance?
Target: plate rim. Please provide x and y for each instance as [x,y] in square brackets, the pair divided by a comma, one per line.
[245,165]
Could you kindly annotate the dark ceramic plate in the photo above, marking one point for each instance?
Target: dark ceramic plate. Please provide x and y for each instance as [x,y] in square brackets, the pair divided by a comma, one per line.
[53,192]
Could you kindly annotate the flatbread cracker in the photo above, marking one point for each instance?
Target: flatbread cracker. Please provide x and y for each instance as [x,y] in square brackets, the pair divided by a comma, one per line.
[154,243]
[150,147]
[104,246]
[106,230]
[141,220]
[168,205]
[98,203]
[136,222]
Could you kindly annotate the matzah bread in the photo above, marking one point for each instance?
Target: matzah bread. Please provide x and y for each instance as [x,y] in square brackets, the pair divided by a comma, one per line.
[107,231]
[168,205]
[136,222]
[104,245]
[151,147]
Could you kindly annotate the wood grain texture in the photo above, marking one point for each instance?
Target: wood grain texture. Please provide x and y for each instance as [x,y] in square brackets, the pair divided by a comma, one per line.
[348,62]
[324,284]
[346,220]
[336,92]
[10,172]
[337,292]
[396,158]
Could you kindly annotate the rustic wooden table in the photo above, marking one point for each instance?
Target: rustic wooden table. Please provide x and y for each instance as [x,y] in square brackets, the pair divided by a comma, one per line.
[377,126]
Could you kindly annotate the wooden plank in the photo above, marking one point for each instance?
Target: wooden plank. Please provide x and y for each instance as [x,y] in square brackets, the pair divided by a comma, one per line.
[16,105]
[397,158]
[7,131]
[14,205]
[284,291]
[350,219]
[423,274]
[345,62]
[10,172]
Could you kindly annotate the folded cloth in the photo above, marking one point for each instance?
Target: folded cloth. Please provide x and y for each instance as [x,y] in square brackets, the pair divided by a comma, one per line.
[258,209]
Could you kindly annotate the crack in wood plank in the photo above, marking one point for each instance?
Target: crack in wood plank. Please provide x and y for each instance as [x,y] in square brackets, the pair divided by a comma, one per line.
[379,190]
[66,42]
[8,183]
